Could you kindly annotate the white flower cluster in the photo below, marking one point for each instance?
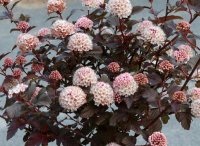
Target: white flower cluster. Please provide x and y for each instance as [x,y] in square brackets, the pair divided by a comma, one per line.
[80,42]
[72,97]
[92,3]
[84,76]
[195,108]
[17,89]
[103,93]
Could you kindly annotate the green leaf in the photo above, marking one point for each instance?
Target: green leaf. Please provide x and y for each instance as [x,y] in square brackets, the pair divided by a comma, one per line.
[13,6]
[185,119]
[165,119]
[137,9]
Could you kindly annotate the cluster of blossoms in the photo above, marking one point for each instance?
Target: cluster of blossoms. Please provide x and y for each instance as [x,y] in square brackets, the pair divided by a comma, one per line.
[20,60]
[23,26]
[8,62]
[120,8]
[84,22]
[27,42]
[183,26]
[17,89]
[17,73]
[114,67]
[92,3]
[44,32]
[165,65]
[103,93]
[125,85]
[62,28]
[195,108]
[141,79]
[117,98]
[150,33]
[157,139]
[5,2]
[55,75]
[56,6]
[195,94]
[80,42]
[72,97]
[184,53]
[179,96]
[112,144]
[37,67]
[85,77]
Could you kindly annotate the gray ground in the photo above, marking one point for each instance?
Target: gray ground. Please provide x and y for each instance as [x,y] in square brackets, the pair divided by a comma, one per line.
[174,132]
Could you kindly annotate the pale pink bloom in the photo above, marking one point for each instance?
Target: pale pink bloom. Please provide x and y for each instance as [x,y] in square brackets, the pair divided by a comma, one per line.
[8,62]
[187,49]
[125,85]
[141,79]
[27,42]
[62,29]
[80,42]
[154,35]
[113,144]
[195,93]
[84,76]
[183,26]
[17,73]
[195,108]
[114,67]
[165,65]
[37,67]
[5,2]
[103,93]
[56,6]
[92,3]
[23,26]
[179,96]
[144,25]
[44,32]
[72,97]
[120,8]
[55,75]
[20,60]
[17,89]
[181,55]
[36,92]
[84,22]
[157,139]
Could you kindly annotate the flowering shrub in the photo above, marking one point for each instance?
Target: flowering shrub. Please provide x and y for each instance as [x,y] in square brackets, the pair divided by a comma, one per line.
[103,79]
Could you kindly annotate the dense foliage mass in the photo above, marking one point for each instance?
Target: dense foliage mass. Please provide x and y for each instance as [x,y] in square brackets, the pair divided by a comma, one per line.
[104,79]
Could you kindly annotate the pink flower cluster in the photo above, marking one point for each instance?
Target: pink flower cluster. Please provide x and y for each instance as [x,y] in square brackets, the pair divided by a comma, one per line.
[143,25]
[85,77]
[5,2]
[125,85]
[183,26]
[157,139]
[112,144]
[80,42]
[20,60]
[84,22]
[117,98]
[179,96]
[17,73]
[27,42]
[62,29]
[23,26]
[187,49]
[195,93]
[195,108]
[165,65]
[44,32]
[141,79]
[8,62]
[17,89]
[92,3]
[72,97]
[56,6]
[114,67]
[120,8]
[55,75]
[184,53]
[36,67]
[103,93]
